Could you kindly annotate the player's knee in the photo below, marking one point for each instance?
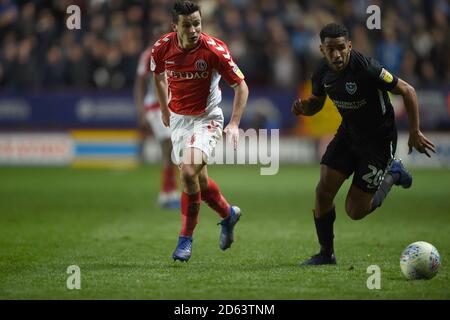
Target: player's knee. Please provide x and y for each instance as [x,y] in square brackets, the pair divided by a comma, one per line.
[354,212]
[203,181]
[188,173]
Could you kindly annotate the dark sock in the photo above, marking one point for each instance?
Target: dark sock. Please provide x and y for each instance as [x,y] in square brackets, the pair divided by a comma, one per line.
[394,175]
[324,229]
[382,192]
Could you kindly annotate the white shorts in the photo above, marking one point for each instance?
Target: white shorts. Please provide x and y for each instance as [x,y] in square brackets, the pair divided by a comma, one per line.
[201,132]
[160,131]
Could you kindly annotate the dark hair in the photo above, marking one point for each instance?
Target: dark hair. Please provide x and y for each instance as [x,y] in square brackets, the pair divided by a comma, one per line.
[183,8]
[333,30]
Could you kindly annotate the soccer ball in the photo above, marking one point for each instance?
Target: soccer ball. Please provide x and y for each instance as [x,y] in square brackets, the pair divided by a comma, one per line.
[420,260]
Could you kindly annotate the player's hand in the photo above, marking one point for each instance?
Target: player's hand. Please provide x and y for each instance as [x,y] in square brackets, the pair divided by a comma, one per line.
[421,143]
[298,107]
[165,116]
[232,133]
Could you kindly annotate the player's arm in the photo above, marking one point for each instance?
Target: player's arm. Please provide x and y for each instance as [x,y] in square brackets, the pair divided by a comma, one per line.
[239,103]
[316,100]
[140,87]
[416,138]
[308,107]
[161,89]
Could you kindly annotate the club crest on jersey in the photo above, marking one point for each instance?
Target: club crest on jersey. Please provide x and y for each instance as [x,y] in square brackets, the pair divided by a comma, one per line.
[201,65]
[351,87]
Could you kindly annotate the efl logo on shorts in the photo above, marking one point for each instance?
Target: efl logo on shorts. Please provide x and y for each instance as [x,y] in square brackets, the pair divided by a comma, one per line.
[201,65]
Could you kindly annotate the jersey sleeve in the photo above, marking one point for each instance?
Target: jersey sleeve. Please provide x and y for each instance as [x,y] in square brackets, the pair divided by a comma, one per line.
[382,78]
[225,65]
[156,60]
[317,81]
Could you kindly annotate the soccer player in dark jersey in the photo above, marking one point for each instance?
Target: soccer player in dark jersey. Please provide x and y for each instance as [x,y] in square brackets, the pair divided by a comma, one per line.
[365,142]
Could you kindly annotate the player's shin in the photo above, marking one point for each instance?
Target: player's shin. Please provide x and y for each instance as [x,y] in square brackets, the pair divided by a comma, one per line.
[213,197]
[324,229]
[169,179]
[190,207]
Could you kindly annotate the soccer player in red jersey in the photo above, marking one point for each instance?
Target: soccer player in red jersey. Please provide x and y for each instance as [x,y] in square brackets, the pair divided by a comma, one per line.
[187,66]
[150,112]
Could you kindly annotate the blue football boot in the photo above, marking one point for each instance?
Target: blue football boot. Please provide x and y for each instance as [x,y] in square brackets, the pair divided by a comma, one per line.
[183,250]
[169,200]
[174,204]
[320,259]
[227,231]
[404,177]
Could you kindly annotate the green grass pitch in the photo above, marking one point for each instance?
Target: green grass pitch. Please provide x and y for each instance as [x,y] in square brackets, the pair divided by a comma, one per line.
[106,222]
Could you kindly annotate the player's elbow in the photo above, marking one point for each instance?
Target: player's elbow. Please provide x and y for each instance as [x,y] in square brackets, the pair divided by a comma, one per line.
[410,91]
[406,90]
[242,88]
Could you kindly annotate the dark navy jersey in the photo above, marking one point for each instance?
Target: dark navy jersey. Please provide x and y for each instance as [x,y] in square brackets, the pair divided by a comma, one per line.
[360,94]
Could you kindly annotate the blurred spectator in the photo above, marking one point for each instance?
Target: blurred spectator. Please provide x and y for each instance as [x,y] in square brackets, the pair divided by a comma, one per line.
[8,13]
[54,72]
[26,64]
[389,51]
[360,40]
[408,69]
[78,67]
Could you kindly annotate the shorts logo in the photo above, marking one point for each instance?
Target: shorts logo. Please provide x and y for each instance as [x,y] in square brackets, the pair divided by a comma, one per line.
[351,87]
[212,126]
[386,76]
[192,140]
[201,65]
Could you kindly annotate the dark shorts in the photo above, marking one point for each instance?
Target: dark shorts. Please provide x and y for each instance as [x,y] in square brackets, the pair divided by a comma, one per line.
[366,159]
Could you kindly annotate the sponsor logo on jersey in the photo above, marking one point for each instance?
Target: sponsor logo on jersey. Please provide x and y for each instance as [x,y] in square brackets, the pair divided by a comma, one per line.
[201,65]
[349,105]
[386,76]
[238,72]
[351,87]
[187,75]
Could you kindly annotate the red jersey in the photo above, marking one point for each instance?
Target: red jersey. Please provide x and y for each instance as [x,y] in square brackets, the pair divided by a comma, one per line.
[193,74]
[150,99]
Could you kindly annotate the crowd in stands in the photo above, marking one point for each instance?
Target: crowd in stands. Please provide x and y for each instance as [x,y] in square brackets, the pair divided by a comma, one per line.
[275,42]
